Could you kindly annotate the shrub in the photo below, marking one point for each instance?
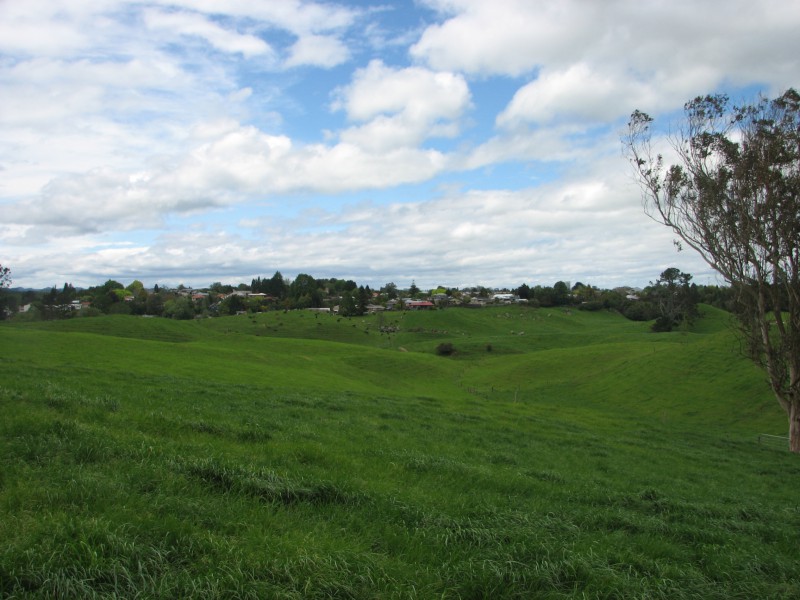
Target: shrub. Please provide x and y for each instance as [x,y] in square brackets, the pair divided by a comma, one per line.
[592,305]
[639,311]
[445,349]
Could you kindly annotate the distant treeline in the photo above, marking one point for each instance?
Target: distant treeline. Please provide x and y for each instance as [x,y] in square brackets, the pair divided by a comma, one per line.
[305,291]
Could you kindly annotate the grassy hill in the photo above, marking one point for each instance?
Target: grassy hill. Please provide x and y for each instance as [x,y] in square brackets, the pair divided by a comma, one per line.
[555,454]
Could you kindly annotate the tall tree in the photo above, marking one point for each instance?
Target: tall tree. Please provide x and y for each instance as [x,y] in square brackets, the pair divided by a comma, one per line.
[675,298]
[305,292]
[347,305]
[5,277]
[275,286]
[561,293]
[523,291]
[390,289]
[5,282]
[362,298]
[67,295]
[733,195]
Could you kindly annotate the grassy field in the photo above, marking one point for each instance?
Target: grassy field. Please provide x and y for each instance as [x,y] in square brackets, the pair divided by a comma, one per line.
[555,454]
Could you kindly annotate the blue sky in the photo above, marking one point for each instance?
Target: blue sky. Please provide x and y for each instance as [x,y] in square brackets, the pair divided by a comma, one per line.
[449,142]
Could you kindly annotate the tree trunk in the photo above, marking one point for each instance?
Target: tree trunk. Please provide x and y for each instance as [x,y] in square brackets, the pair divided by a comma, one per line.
[794,426]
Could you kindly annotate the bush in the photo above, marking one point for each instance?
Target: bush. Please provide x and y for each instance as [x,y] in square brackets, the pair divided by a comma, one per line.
[640,311]
[179,308]
[592,305]
[445,349]
[661,325]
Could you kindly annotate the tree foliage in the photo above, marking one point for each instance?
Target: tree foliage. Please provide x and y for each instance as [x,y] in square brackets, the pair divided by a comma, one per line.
[733,195]
[5,282]
[347,305]
[5,277]
[275,286]
[390,289]
[179,308]
[675,298]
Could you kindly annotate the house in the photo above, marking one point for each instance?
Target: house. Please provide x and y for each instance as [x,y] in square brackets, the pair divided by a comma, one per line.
[504,298]
[420,305]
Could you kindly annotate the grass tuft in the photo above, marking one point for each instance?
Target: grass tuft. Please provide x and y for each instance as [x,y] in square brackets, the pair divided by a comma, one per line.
[264,484]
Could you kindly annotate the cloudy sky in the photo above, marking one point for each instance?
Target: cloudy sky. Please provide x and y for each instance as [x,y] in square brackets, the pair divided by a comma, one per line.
[452,142]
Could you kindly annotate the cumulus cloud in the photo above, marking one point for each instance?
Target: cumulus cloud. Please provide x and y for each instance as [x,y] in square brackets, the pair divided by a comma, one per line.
[292,15]
[510,38]
[471,143]
[401,107]
[578,92]
[317,27]
[123,97]
[317,50]
[580,229]
[675,50]
[235,164]
[192,24]
[247,161]
[22,25]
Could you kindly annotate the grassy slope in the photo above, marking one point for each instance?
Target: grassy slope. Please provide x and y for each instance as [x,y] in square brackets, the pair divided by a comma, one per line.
[287,455]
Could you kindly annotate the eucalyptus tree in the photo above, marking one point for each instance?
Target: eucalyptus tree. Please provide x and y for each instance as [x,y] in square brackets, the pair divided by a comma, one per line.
[731,191]
[5,277]
[5,282]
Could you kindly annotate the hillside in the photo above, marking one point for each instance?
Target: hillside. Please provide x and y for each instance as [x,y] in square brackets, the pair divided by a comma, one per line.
[554,454]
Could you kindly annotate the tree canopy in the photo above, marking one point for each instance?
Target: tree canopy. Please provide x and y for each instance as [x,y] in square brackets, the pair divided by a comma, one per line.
[675,299]
[5,277]
[733,195]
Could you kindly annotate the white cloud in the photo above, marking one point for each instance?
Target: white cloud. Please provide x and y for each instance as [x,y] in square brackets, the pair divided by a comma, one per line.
[66,117]
[578,92]
[247,161]
[317,27]
[191,24]
[401,107]
[297,16]
[589,57]
[517,36]
[49,27]
[317,50]
[588,229]
[379,89]
[151,136]
[236,163]
[510,37]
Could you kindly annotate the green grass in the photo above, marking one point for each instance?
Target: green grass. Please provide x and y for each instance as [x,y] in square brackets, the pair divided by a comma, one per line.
[291,456]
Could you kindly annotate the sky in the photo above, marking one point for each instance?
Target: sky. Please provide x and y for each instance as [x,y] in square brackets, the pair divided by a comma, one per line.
[445,142]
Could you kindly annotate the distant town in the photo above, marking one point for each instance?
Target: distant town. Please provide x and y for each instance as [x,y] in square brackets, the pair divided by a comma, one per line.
[337,296]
